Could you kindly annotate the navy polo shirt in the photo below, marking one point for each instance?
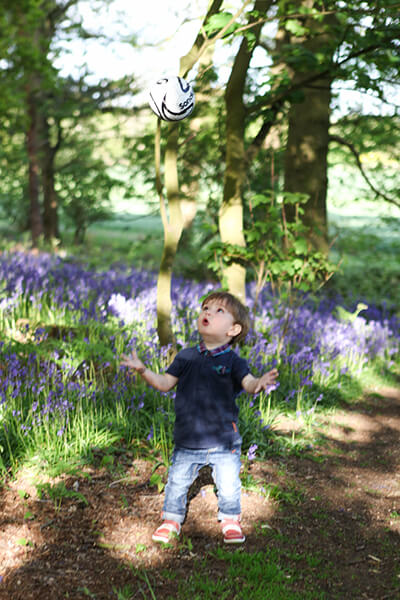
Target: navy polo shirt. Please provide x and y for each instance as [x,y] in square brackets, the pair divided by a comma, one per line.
[206,412]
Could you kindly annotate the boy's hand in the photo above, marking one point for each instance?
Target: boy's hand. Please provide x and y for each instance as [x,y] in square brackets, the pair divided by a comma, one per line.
[132,361]
[253,385]
[266,380]
[160,381]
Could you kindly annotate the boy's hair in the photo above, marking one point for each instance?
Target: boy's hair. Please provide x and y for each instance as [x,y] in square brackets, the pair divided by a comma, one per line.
[239,312]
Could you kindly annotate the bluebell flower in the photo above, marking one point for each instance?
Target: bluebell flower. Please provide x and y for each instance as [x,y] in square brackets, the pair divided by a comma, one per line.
[251,453]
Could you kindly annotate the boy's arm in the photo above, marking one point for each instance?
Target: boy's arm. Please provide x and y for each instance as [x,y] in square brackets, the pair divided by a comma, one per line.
[160,381]
[253,385]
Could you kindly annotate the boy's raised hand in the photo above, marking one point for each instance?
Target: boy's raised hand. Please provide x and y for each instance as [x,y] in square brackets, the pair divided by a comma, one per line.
[160,381]
[266,380]
[132,361]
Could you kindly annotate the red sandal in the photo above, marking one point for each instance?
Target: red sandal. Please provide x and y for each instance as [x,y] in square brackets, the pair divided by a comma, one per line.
[167,530]
[232,531]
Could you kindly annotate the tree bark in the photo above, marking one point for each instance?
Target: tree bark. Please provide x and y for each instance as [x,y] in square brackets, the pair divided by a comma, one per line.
[172,215]
[35,219]
[231,211]
[50,201]
[305,162]
[173,226]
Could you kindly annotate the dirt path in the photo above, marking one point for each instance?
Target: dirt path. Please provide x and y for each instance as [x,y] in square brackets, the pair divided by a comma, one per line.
[333,516]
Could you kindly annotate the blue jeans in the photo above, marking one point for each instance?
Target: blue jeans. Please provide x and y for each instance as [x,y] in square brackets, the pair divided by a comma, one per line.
[186,463]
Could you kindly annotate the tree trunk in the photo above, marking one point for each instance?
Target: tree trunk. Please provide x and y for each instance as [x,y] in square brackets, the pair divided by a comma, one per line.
[305,162]
[50,204]
[231,211]
[173,216]
[35,219]
[173,226]
[306,159]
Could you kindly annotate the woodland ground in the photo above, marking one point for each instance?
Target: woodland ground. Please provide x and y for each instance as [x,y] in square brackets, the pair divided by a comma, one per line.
[333,520]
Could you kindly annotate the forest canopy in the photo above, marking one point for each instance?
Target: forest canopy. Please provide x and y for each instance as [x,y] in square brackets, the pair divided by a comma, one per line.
[270,137]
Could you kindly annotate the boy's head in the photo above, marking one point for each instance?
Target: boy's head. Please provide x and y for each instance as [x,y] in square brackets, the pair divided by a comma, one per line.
[234,306]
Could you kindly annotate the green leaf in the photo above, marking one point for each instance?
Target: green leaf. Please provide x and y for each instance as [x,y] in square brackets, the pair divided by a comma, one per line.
[107,460]
[393,58]
[251,39]
[260,199]
[300,246]
[297,264]
[346,316]
[275,268]
[217,22]
[156,479]
[24,542]
[295,27]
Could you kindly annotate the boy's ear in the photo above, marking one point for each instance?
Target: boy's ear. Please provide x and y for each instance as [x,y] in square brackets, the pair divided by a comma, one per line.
[235,330]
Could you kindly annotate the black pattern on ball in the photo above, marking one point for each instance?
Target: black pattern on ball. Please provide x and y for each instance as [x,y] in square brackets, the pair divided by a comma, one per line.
[171,98]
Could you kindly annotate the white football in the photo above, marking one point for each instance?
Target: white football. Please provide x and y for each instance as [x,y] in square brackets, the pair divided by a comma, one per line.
[171,98]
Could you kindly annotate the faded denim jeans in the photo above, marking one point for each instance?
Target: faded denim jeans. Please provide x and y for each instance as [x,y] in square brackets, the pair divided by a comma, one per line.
[186,463]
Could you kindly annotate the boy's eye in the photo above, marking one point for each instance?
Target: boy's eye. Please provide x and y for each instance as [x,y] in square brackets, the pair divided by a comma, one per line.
[220,310]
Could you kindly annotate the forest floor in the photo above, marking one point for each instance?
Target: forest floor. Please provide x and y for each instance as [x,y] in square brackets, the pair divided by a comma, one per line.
[333,517]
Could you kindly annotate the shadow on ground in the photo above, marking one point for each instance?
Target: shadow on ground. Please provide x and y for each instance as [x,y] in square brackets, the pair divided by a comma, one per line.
[332,519]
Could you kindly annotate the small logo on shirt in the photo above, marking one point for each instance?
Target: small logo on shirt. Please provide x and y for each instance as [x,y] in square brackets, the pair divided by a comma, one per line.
[222,369]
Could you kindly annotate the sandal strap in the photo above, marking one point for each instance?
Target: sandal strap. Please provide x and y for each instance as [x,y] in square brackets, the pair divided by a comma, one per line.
[231,527]
[168,526]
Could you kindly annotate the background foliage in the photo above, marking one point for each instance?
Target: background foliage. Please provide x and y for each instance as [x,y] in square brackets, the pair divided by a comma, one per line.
[77,181]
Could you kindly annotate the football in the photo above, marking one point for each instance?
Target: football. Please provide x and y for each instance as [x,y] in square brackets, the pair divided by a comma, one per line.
[171,98]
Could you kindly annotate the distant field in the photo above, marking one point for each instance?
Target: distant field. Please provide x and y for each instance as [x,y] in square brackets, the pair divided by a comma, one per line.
[128,226]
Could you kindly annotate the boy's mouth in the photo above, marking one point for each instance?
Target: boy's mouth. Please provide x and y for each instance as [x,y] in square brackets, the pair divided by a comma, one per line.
[205,321]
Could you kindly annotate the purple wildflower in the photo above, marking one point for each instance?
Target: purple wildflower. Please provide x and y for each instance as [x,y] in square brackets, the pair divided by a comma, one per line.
[251,454]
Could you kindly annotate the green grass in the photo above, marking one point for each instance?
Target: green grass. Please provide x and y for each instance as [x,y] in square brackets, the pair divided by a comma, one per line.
[366,248]
[369,266]
[240,575]
[136,240]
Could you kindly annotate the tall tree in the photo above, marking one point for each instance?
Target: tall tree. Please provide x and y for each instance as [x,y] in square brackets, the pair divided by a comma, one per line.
[323,45]
[305,165]
[47,104]
[173,218]
[231,211]
[333,46]
[30,72]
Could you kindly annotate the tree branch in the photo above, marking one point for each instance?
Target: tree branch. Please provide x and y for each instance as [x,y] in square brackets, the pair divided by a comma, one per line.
[256,144]
[350,146]
[202,41]
[328,72]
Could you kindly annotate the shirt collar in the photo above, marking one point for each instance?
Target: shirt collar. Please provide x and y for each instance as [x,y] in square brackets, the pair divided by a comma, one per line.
[202,348]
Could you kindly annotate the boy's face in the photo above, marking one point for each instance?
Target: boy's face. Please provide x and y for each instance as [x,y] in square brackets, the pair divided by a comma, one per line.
[216,324]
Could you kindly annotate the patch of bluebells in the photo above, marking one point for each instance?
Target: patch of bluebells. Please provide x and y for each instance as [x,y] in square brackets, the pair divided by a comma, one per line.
[40,389]
[308,341]
[69,285]
[313,339]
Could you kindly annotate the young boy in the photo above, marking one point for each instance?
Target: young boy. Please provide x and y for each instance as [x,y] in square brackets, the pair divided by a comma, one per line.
[208,377]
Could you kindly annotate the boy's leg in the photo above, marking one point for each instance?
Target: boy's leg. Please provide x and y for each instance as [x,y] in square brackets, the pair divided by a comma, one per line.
[226,468]
[184,469]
